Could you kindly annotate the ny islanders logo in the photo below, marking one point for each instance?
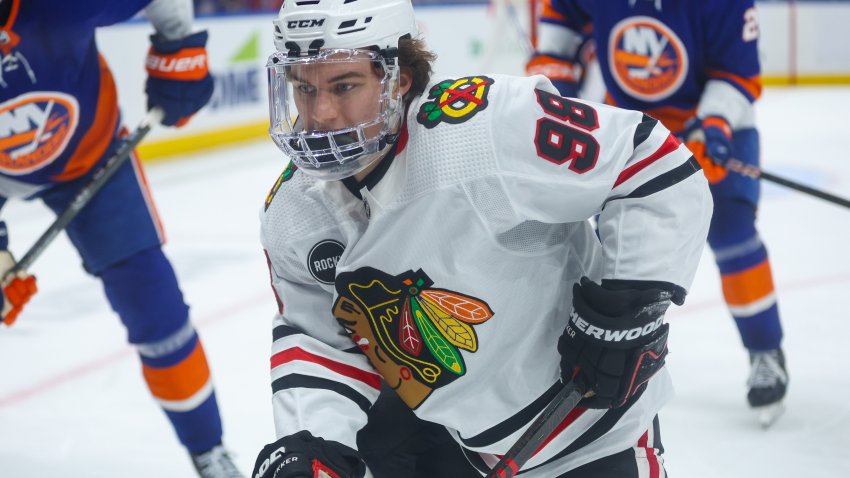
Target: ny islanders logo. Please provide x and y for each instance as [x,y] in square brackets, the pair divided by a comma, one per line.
[34,130]
[411,332]
[647,60]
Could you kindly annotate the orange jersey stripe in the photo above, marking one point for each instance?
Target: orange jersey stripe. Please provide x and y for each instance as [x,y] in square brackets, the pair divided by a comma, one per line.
[552,68]
[181,380]
[672,118]
[751,85]
[101,132]
[746,287]
[146,193]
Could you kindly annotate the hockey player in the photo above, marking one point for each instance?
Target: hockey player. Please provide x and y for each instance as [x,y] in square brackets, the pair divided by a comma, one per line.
[433,236]
[59,121]
[694,66]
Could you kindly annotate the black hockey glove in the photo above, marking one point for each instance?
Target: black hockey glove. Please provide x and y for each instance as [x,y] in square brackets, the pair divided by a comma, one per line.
[304,456]
[615,339]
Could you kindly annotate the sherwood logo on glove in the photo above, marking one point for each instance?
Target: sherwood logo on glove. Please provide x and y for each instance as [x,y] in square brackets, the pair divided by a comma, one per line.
[611,335]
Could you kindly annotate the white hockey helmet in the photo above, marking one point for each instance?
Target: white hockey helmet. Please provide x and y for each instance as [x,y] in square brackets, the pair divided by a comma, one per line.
[321,39]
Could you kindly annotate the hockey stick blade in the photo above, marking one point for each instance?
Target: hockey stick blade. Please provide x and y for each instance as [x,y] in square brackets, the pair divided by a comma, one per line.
[538,432]
[84,195]
[739,167]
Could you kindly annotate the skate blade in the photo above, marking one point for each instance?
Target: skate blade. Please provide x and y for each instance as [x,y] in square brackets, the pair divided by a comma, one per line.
[769,414]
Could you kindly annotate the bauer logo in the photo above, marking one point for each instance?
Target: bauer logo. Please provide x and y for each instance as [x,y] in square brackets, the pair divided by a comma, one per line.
[648,61]
[322,260]
[35,129]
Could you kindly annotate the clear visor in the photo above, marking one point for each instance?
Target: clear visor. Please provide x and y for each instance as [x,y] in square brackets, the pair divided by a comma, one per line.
[333,113]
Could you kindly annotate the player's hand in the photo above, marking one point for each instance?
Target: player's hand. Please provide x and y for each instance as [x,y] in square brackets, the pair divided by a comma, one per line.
[304,456]
[564,75]
[17,289]
[616,340]
[710,139]
[179,81]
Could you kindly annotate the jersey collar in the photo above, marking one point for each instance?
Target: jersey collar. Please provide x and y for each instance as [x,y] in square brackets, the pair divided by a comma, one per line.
[372,179]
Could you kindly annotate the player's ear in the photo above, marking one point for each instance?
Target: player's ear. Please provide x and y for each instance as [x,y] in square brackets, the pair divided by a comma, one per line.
[405,79]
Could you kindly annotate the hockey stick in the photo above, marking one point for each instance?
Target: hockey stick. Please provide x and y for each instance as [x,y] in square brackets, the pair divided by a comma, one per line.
[538,432]
[740,167]
[84,195]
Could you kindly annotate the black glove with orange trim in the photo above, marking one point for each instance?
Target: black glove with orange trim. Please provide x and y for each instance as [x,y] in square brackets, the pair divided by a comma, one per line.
[179,81]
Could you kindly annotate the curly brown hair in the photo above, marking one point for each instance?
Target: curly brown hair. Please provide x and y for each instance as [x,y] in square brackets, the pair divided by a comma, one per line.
[415,55]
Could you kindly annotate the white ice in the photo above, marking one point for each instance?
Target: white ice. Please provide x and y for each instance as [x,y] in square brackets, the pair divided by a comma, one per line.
[73,403]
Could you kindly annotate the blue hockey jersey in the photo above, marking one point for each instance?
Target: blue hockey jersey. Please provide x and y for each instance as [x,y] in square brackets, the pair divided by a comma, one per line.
[657,56]
[58,102]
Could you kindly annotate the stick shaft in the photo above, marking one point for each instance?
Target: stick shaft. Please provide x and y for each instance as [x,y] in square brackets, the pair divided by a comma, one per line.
[538,432]
[739,167]
[84,196]
[806,189]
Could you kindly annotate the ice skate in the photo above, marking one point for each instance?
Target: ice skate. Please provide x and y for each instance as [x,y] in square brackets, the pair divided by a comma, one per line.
[768,383]
[215,463]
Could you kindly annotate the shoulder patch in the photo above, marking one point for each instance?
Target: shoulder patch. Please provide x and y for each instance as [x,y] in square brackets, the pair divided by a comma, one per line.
[455,101]
[285,176]
[322,259]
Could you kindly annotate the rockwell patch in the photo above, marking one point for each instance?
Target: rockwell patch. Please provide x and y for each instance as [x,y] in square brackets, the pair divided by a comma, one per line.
[455,101]
[410,332]
[321,262]
[285,176]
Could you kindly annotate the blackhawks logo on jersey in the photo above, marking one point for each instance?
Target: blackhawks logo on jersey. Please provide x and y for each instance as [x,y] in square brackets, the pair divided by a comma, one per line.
[285,176]
[455,101]
[411,333]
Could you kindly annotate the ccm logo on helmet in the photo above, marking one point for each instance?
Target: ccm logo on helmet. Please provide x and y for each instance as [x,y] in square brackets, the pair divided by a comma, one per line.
[308,23]
[611,335]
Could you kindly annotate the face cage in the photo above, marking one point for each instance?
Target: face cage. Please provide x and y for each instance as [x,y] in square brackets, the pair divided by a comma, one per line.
[332,154]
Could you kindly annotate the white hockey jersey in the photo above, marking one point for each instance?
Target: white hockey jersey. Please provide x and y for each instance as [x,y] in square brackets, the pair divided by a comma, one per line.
[448,271]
